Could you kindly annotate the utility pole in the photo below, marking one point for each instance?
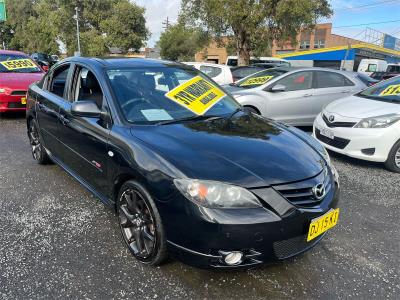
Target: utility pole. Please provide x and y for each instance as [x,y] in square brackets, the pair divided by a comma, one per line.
[166,24]
[77,31]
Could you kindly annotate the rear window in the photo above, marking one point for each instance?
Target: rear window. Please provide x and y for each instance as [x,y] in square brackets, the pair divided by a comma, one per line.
[15,63]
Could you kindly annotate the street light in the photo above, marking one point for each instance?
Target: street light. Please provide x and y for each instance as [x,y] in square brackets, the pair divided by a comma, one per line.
[77,31]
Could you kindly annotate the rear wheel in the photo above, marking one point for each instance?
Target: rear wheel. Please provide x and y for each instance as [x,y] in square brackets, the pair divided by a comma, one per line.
[140,224]
[38,152]
[393,161]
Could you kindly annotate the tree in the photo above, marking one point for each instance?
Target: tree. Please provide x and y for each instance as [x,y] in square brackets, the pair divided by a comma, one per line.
[41,25]
[125,27]
[255,24]
[180,42]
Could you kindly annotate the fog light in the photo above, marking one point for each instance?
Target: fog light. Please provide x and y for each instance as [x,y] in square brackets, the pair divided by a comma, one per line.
[233,258]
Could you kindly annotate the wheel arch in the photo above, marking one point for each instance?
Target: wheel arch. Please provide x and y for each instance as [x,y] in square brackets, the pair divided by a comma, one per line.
[253,107]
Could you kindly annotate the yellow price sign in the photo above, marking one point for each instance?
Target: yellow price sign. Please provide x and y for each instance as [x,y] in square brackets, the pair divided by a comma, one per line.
[197,94]
[257,80]
[18,64]
[393,89]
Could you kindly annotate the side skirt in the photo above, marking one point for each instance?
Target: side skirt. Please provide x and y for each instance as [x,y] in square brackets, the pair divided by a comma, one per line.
[102,198]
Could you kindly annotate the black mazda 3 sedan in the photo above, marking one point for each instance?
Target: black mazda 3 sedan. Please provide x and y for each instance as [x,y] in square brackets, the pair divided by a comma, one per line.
[188,172]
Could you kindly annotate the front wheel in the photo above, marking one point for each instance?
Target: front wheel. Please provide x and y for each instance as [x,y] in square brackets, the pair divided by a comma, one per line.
[140,224]
[393,161]
[38,152]
[251,109]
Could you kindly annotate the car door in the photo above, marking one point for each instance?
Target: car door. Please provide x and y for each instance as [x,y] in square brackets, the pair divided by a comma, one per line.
[292,105]
[48,102]
[85,139]
[328,87]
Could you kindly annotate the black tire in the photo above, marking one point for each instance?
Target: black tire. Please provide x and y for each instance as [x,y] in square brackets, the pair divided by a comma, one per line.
[251,110]
[393,161]
[38,151]
[140,224]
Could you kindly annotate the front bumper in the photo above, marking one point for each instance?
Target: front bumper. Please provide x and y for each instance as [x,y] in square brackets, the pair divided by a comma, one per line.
[11,103]
[200,236]
[357,140]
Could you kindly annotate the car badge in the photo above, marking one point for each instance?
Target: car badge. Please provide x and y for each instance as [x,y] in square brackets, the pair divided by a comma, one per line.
[319,191]
[331,118]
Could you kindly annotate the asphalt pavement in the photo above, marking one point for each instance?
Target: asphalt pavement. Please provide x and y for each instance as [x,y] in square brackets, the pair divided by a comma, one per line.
[59,241]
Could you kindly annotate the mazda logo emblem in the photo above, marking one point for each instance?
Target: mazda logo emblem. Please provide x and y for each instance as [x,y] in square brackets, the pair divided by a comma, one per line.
[331,118]
[319,191]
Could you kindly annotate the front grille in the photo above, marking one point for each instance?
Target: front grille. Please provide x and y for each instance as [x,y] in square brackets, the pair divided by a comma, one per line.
[301,193]
[336,142]
[288,248]
[18,93]
[337,124]
[16,105]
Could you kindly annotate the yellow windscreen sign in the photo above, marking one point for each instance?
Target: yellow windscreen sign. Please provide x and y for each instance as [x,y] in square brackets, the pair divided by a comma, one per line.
[256,80]
[393,89]
[18,64]
[196,94]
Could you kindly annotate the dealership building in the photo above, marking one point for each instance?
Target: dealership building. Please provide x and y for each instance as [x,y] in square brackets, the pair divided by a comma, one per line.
[322,48]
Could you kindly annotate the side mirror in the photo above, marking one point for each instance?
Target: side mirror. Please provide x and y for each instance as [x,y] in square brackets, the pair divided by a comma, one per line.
[277,88]
[85,108]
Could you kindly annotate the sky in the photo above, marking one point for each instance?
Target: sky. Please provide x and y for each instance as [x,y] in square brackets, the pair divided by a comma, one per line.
[347,12]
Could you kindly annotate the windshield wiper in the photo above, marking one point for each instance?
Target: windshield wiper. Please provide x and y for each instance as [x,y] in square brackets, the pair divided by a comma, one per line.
[235,112]
[192,118]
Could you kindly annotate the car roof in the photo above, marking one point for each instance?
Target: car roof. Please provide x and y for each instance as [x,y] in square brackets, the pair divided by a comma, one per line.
[199,63]
[12,52]
[122,62]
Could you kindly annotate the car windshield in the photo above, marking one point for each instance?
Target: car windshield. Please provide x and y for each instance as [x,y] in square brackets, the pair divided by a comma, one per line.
[388,91]
[168,94]
[14,63]
[259,78]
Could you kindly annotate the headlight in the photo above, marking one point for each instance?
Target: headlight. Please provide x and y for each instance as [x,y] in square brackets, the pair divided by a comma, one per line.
[378,122]
[2,91]
[325,154]
[216,194]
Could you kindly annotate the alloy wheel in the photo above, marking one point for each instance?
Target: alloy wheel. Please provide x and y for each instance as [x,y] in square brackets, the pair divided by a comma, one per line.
[137,224]
[35,141]
[397,158]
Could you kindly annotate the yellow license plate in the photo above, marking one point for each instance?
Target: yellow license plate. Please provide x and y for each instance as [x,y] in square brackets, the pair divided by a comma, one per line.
[23,100]
[322,224]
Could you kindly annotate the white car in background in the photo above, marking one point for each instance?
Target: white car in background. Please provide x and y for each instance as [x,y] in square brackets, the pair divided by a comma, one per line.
[221,74]
[365,126]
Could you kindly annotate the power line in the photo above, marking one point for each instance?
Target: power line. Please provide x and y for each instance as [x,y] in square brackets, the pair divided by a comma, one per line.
[366,24]
[366,5]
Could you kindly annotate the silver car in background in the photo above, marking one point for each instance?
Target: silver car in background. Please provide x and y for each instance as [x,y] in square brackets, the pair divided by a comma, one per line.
[294,95]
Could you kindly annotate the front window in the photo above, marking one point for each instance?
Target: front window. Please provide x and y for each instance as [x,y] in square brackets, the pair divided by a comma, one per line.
[372,68]
[152,95]
[319,44]
[260,78]
[305,44]
[15,63]
[388,91]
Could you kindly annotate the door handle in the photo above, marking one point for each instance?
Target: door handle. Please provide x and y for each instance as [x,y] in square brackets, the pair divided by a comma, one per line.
[346,91]
[64,120]
[42,107]
[307,95]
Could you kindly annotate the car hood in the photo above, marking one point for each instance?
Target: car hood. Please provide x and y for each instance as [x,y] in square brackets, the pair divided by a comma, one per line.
[18,81]
[235,90]
[359,107]
[248,150]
